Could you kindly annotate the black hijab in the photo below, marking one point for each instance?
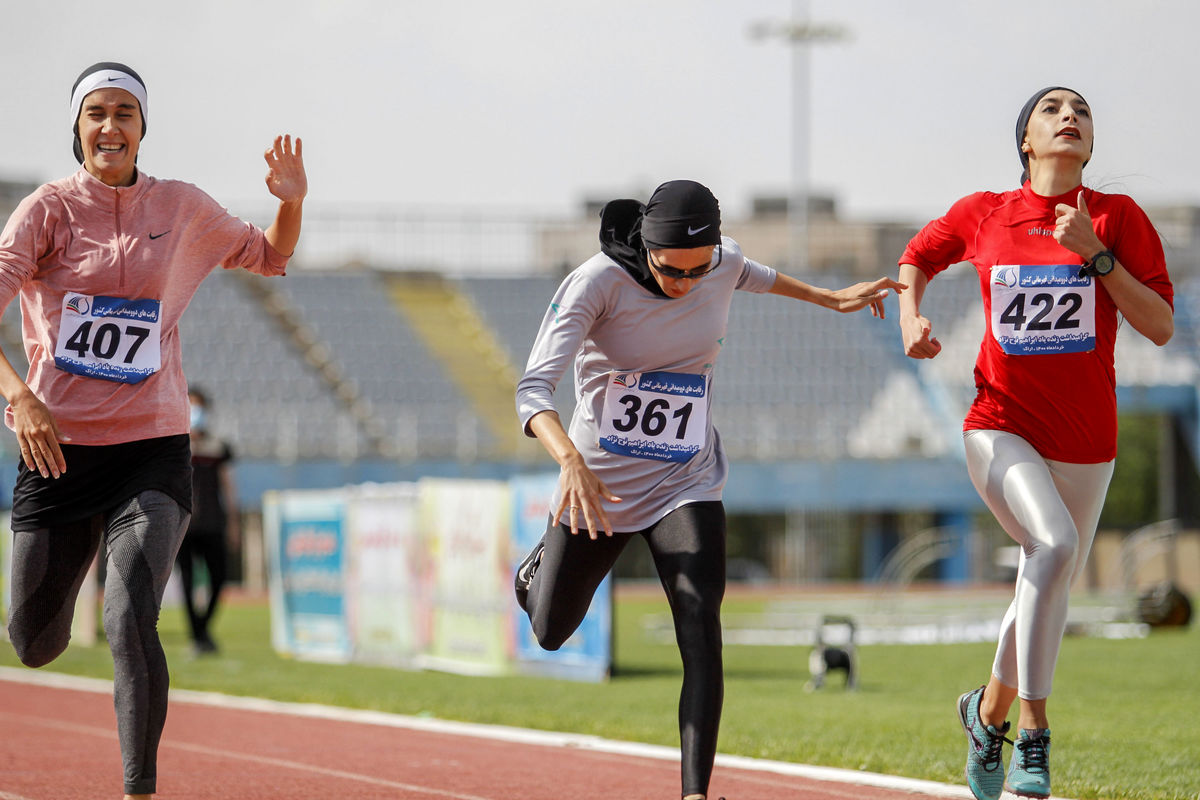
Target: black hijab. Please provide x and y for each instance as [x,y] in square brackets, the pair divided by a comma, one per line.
[680,214]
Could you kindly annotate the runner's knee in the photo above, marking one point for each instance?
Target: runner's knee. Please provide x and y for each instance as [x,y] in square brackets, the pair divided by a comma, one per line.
[698,628]
[550,636]
[1056,560]
[37,648]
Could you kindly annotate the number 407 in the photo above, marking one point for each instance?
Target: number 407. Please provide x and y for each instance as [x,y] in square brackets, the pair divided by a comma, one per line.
[107,341]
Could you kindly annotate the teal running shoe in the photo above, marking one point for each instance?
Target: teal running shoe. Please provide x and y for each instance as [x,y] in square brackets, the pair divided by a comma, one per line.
[1029,774]
[985,744]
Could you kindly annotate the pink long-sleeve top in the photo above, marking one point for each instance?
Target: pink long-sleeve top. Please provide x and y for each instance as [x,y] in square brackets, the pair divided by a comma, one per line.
[77,247]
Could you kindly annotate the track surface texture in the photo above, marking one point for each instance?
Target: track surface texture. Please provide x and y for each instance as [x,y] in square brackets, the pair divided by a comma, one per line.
[59,743]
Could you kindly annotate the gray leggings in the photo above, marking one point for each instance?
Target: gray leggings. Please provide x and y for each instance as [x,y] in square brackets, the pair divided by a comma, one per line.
[49,566]
[1051,509]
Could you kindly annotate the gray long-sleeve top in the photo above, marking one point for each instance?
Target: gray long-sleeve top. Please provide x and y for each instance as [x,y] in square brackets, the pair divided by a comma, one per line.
[614,330]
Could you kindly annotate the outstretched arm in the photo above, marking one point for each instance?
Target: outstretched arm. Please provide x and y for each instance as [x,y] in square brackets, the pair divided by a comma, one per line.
[852,298]
[287,181]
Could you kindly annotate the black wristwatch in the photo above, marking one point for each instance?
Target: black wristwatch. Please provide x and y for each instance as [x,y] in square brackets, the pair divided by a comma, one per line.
[1101,264]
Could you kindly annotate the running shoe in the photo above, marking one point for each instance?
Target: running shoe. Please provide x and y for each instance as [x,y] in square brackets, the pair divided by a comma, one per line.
[525,574]
[985,744]
[204,646]
[1029,774]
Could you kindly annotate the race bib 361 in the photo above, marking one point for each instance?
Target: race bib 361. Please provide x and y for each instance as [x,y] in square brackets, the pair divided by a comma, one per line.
[661,416]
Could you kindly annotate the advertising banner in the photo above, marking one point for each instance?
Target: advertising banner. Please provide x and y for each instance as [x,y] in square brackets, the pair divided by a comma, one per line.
[467,525]
[419,575]
[306,546]
[389,574]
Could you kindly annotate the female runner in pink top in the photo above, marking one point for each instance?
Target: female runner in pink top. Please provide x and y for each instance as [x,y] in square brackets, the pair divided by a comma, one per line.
[104,263]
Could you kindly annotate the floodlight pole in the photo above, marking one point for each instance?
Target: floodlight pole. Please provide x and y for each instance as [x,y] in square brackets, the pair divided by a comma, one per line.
[799,33]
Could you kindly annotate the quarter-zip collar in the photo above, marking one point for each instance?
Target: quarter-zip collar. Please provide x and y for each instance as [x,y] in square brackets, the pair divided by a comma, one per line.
[95,192]
[117,201]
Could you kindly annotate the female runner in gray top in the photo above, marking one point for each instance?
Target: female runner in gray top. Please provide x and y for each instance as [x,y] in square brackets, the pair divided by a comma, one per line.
[643,322]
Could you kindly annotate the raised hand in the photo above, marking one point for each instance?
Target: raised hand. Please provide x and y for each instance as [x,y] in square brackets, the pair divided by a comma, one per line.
[1073,229]
[286,178]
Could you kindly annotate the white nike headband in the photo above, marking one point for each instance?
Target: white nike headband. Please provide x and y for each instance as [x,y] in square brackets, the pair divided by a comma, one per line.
[103,79]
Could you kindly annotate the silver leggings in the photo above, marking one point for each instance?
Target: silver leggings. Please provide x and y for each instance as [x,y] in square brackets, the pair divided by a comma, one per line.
[1051,509]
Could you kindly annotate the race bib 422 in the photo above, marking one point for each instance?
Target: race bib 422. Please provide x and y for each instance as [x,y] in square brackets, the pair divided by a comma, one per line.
[111,338]
[1043,309]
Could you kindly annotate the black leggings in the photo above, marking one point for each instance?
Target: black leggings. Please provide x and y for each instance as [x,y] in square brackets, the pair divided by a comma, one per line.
[688,547]
[209,548]
[49,567]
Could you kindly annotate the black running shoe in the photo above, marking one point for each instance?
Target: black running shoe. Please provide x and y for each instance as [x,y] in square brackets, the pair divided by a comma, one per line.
[525,574]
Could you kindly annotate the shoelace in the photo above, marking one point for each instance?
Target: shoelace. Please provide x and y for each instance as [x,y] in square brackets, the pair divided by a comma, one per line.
[995,743]
[1034,756]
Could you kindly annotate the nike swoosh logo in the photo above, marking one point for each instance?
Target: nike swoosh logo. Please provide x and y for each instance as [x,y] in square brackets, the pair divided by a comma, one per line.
[114,79]
[693,231]
[158,235]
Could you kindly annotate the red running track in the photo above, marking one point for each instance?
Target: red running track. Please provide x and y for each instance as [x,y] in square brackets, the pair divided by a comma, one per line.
[58,742]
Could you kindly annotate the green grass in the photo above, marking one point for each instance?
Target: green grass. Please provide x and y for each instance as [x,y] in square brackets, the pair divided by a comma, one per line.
[1124,712]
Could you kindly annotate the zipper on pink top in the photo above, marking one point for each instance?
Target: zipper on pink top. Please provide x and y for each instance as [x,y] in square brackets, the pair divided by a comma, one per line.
[120,242]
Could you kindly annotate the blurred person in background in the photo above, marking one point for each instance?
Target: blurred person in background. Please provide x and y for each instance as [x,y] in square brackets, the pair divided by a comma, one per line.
[1060,266]
[642,323]
[105,262]
[214,530]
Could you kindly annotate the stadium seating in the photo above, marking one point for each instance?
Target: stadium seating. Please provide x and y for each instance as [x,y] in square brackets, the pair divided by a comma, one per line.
[513,308]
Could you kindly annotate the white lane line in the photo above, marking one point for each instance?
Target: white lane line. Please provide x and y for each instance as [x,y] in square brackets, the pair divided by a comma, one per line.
[107,733]
[11,796]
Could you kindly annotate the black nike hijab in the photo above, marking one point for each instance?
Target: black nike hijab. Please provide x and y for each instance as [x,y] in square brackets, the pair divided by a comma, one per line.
[679,215]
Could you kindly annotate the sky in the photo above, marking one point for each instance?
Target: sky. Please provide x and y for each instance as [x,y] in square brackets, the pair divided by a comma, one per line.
[531,106]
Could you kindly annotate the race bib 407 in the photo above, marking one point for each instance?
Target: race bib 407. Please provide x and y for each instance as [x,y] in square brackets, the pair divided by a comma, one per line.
[111,338]
[1043,308]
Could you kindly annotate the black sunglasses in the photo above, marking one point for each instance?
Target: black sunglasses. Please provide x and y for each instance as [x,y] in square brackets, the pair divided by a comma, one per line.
[686,274]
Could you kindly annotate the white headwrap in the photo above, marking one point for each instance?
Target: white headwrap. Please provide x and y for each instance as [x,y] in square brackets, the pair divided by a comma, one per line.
[105,76]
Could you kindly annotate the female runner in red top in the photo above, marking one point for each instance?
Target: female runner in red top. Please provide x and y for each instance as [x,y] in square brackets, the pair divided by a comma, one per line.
[1057,263]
